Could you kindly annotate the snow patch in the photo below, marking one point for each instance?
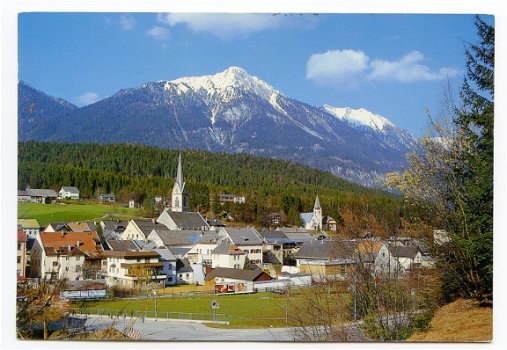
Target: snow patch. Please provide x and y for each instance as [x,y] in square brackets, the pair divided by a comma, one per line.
[360,117]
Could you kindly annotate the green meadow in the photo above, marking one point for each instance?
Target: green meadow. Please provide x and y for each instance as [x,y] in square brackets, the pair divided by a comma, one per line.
[46,213]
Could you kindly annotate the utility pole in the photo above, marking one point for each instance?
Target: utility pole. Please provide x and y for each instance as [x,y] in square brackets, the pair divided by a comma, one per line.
[156,311]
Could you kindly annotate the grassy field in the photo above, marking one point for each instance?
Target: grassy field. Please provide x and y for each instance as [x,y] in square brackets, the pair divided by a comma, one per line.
[46,213]
[258,310]
[459,321]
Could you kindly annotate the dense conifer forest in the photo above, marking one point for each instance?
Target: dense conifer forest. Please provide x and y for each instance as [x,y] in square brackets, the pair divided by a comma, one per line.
[142,172]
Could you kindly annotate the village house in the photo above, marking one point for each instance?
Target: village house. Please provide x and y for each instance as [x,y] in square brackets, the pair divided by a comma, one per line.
[113,229]
[215,224]
[329,224]
[246,239]
[107,197]
[327,258]
[30,226]
[130,269]
[139,229]
[201,252]
[167,258]
[37,195]
[68,192]
[21,253]
[273,247]
[184,272]
[228,280]
[227,254]
[231,198]
[404,258]
[60,227]
[69,255]
[374,254]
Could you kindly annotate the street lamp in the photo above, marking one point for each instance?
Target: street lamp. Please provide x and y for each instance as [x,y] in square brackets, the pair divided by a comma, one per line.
[156,313]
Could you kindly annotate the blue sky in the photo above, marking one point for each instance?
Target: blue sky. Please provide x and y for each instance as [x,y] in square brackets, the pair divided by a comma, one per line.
[393,65]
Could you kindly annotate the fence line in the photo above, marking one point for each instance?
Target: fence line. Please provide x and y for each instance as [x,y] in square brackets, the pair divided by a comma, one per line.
[173,315]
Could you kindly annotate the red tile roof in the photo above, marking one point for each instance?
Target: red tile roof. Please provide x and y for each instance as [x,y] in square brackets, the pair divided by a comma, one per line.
[89,242]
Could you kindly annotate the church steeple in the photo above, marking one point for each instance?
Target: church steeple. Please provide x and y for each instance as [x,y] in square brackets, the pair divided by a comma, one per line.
[316,206]
[179,176]
[179,200]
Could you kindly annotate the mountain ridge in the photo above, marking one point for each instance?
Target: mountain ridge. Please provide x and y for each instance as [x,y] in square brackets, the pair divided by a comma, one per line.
[235,112]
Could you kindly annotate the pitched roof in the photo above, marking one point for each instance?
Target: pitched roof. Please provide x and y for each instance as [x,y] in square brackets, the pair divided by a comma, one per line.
[179,251]
[215,222]
[165,254]
[183,265]
[296,234]
[187,220]
[82,226]
[70,189]
[84,285]
[114,224]
[403,252]
[228,248]
[242,236]
[22,193]
[41,192]
[178,238]
[122,245]
[28,223]
[209,237]
[146,226]
[275,237]
[306,217]
[88,241]
[237,274]
[341,251]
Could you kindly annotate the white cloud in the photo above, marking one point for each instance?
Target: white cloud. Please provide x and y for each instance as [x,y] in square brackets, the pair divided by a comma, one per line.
[88,98]
[336,66]
[221,25]
[408,69]
[350,67]
[127,22]
[158,33]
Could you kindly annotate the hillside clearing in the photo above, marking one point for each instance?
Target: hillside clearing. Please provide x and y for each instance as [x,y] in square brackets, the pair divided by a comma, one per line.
[459,321]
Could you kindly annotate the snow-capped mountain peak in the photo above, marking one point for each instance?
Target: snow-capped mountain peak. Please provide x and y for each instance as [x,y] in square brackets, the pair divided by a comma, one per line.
[231,78]
[360,117]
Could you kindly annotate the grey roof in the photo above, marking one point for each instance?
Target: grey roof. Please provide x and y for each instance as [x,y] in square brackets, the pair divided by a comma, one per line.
[147,226]
[22,193]
[41,192]
[165,254]
[113,225]
[123,245]
[275,237]
[242,236]
[403,252]
[183,265]
[179,251]
[296,234]
[209,237]
[226,247]
[237,274]
[187,220]
[178,238]
[343,251]
[424,248]
[70,189]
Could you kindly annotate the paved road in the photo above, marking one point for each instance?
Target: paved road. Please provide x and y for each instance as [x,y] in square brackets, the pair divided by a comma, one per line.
[183,331]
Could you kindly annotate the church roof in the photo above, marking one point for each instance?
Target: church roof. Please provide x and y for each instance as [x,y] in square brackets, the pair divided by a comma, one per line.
[317,203]
[179,176]
[306,217]
[188,220]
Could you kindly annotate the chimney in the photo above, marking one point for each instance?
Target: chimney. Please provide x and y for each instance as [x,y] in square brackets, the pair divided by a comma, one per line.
[77,244]
[68,248]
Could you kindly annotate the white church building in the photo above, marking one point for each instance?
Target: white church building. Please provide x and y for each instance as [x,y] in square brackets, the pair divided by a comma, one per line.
[313,221]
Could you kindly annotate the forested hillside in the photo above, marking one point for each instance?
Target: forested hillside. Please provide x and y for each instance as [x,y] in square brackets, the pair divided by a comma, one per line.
[141,172]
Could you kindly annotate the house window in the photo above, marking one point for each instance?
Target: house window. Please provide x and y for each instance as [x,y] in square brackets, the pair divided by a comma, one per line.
[186,276]
[19,259]
[55,263]
[19,246]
